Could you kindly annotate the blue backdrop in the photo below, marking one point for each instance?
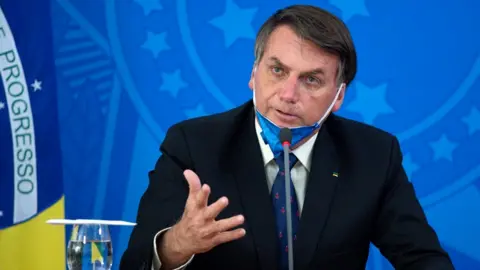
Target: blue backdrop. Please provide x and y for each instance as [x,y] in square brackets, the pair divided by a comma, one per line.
[128,69]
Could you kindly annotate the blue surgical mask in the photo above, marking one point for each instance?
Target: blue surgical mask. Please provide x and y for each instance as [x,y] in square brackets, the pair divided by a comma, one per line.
[270,131]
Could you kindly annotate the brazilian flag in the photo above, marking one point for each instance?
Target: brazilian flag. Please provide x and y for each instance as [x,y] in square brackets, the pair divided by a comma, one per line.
[31,189]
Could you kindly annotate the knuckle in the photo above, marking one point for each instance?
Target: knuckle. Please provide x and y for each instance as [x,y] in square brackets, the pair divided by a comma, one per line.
[193,229]
[188,213]
[223,225]
[202,233]
[217,240]
[218,226]
[207,213]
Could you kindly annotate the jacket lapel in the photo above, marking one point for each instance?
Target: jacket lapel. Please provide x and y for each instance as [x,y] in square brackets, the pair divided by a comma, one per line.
[244,163]
[319,194]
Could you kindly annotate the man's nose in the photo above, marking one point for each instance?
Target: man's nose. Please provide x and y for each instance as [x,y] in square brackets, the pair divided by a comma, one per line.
[289,91]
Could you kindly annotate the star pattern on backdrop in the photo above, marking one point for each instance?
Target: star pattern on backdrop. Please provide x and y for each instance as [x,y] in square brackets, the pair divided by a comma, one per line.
[410,166]
[199,110]
[156,43]
[351,8]
[235,23]
[463,223]
[472,120]
[370,102]
[443,148]
[36,85]
[2,105]
[172,82]
[149,5]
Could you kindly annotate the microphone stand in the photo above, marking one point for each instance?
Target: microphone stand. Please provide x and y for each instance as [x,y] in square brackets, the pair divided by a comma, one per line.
[286,160]
[286,138]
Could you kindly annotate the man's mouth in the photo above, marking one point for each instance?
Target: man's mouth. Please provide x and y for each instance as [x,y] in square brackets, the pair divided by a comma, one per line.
[285,116]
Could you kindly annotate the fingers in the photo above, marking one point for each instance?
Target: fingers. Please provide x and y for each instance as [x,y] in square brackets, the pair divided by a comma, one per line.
[201,198]
[197,195]
[224,225]
[228,236]
[215,208]
[193,181]
[198,229]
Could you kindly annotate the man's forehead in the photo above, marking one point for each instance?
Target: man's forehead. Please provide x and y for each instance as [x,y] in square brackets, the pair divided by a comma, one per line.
[321,64]
[286,37]
[285,45]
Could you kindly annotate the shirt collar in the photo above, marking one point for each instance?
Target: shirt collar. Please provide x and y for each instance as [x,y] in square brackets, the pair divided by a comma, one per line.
[303,152]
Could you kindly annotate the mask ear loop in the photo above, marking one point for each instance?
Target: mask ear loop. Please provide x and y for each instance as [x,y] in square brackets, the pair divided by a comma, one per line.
[253,84]
[340,88]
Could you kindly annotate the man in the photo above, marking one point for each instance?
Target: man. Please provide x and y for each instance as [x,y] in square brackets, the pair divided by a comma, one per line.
[216,200]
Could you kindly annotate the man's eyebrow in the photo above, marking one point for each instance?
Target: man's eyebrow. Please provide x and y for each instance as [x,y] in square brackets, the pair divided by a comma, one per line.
[306,72]
[277,61]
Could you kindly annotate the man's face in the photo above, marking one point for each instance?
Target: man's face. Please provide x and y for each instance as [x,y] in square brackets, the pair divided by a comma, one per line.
[295,82]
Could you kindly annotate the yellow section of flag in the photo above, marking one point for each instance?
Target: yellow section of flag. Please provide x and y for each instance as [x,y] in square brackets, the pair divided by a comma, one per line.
[96,253]
[35,244]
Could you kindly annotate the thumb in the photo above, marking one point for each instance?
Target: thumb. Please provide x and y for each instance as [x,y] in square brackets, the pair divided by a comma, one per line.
[193,181]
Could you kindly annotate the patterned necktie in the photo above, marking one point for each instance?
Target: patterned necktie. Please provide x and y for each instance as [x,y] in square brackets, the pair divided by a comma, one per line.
[280,209]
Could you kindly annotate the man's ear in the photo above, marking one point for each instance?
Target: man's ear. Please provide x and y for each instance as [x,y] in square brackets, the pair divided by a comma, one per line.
[340,98]
[252,75]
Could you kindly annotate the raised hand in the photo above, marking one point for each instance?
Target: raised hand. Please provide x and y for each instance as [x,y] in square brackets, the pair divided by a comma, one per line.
[198,231]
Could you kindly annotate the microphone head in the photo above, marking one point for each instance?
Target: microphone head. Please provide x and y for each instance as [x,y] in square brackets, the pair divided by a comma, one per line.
[286,135]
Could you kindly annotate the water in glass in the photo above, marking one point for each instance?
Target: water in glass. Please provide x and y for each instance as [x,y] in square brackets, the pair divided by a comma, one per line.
[89,248]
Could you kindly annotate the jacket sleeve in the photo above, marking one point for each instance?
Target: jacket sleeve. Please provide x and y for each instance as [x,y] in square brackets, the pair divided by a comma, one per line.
[162,204]
[402,233]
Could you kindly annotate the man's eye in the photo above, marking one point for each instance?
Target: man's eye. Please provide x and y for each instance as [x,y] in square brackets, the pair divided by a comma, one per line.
[277,70]
[312,80]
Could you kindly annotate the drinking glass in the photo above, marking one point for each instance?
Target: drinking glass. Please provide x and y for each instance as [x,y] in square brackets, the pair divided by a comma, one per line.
[89,247]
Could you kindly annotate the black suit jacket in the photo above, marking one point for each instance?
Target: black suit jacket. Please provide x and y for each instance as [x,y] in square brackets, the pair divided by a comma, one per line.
[371,200]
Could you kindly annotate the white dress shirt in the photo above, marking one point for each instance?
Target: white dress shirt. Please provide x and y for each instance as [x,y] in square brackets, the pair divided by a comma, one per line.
[299,175]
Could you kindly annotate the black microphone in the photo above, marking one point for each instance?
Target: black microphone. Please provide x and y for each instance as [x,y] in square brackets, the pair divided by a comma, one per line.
[285,136]
[286,139]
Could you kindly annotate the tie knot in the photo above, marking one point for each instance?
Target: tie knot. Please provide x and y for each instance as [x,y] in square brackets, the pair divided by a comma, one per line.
[281,162]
